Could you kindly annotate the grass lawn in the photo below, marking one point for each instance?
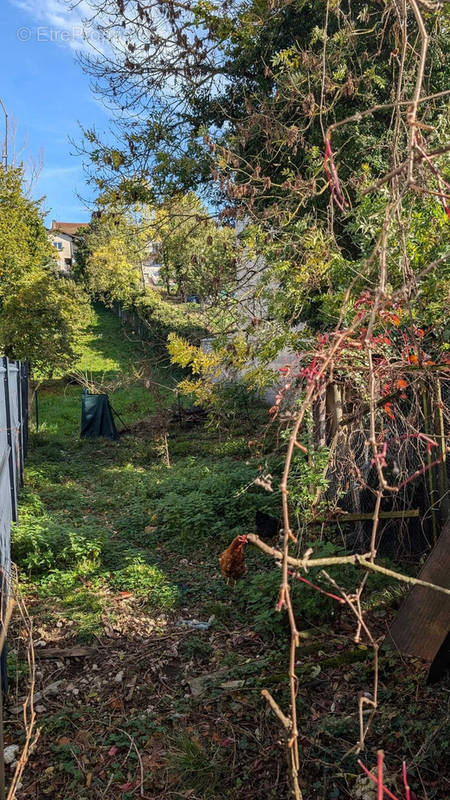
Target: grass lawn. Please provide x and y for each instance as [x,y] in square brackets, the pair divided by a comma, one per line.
[117,553]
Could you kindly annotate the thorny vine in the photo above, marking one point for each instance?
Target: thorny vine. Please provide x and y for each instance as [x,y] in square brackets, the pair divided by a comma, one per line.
[320,374]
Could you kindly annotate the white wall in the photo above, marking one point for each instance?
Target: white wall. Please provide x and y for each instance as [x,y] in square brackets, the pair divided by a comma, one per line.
[66,249]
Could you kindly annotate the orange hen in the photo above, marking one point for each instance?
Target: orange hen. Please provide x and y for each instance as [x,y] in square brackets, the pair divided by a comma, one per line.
[232,560]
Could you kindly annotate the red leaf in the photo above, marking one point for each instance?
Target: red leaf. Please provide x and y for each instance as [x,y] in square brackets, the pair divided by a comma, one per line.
[113,750]
[388,409]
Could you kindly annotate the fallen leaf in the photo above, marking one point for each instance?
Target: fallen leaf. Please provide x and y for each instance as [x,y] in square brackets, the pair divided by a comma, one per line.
[116,703]
[83,738]
[113,750]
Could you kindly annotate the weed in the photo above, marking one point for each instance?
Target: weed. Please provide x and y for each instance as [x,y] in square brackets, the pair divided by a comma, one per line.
[197,767]
[147,582]
[17,669]
[195,647]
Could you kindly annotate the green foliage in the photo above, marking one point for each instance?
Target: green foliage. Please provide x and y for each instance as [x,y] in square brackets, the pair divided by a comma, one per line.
[308,476]
[42,315]
[219,380]
[111,253]
[260,592]
[146,582]
[277,79]
[196,647]
[43,322]
[92,507]
[207,498]
[17,668]
[165,317]
[197,766]
[197,253]
[24,244]
[50,542]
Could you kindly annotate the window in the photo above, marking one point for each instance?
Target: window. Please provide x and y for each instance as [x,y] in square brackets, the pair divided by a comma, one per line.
[58,245]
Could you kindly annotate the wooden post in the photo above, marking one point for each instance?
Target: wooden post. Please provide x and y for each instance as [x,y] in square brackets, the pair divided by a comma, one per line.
[320,416]
[429,430]
[421,625]
[441,469]
[344,517]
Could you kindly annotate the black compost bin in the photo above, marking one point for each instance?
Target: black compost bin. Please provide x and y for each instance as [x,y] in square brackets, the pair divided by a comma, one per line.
[96,416]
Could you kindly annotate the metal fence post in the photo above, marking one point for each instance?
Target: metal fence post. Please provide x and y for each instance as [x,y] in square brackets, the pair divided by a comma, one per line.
[20,471]
[12,481]
[25,375]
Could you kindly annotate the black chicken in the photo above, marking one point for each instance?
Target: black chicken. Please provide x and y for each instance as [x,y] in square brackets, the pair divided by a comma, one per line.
[267,527]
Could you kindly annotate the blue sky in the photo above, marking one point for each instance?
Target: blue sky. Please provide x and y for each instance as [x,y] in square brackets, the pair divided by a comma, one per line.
[47,95]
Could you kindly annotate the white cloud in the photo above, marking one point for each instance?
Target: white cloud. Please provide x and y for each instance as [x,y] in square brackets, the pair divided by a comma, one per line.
[58,22]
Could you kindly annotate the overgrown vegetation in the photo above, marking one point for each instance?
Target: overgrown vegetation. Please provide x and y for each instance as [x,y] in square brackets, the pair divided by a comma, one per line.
[118,551]
[319,132]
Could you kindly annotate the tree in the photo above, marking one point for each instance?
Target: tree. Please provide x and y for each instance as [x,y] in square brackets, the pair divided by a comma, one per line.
[24,243]
[42,322]
[198,254]
[42,315]
[250,100]
[111,252]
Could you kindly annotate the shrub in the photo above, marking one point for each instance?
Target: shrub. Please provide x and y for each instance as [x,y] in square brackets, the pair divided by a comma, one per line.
[259,595]
[164,317]
[194,500]
[47,543]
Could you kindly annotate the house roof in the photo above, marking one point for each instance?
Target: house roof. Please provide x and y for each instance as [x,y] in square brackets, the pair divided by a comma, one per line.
[70,228]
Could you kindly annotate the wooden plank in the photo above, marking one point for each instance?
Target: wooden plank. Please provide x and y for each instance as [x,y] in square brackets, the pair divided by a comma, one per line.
[79,651]
[423,621]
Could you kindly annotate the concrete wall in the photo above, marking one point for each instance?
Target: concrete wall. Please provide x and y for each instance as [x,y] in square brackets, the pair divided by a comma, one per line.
[284,358]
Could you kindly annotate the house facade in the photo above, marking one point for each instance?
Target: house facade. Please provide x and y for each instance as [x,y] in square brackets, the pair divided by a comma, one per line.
[63,236]
[151,266]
